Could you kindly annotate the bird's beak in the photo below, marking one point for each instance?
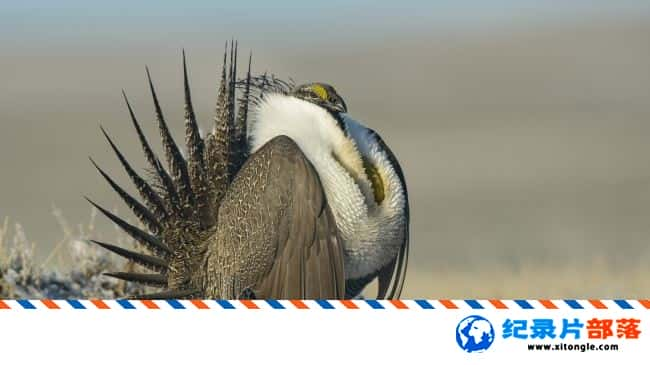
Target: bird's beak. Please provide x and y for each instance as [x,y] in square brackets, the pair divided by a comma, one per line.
[340,107]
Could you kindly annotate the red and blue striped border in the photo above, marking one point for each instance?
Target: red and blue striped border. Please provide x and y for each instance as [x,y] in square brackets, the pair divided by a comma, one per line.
[416,304]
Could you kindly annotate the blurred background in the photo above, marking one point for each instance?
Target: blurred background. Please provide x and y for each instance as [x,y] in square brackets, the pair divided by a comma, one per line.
[522,126]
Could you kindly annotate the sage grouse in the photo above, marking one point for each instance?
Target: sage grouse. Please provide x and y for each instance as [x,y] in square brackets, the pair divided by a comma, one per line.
[290,199]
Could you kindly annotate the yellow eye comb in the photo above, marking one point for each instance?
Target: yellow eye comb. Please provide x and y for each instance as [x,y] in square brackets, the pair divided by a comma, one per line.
[320,91]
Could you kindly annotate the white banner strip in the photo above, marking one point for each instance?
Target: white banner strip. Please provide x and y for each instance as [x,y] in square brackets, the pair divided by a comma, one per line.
[322,331]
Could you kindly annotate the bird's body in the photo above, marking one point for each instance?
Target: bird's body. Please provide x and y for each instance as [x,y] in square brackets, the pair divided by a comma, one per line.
[372,231]
[293,199]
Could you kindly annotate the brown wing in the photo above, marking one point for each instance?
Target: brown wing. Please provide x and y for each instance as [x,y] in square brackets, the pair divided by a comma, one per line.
[276,234]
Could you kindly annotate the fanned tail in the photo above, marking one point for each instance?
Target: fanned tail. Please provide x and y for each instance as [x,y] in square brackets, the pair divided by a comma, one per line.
[195,149]
[175,159]
[218,146]
[240,135]
[179,206]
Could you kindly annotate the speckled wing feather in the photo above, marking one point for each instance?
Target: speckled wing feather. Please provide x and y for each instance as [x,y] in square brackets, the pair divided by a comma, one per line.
[276,234]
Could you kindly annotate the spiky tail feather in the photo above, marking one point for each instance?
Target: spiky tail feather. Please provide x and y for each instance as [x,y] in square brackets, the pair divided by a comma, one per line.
[180,206]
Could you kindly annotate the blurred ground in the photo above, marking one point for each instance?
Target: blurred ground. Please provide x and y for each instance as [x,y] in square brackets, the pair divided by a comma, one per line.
[525,148]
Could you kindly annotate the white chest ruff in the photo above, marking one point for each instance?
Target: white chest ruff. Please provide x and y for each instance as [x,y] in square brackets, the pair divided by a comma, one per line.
[372,233]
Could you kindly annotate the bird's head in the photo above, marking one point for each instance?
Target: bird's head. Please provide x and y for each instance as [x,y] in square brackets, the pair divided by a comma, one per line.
[321,94]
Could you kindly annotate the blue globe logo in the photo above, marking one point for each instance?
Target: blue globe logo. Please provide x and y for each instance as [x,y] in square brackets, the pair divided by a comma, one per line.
[474,334]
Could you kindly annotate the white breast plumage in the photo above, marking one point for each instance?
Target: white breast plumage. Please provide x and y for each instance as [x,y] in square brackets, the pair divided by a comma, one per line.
[372,232]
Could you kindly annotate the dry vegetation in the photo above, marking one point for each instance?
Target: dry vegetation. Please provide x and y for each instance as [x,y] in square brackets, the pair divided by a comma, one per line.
[72,269]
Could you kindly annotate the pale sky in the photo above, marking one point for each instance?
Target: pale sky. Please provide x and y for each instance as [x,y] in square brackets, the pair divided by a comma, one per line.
[61,22]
